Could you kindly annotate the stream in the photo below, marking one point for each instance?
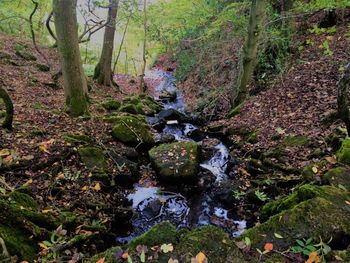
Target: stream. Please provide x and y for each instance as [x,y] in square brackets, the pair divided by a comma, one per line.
[194,207]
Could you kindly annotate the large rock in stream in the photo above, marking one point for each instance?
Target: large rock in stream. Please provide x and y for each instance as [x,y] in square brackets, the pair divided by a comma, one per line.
[310,211]
[132,130]
[179,160]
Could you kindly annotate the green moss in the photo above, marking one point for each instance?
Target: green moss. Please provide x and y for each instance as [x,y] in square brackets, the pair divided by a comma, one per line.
[70,219]
[42,67]
[210,240]
[108,255]
[141,104]
[253,136]
[93,158]
[111,105]
[308,174]
[176,160]
[24,200]
[162,233]
[26,55]
[316,217]
[77,138]
[339,176]
[296,141]
[301,194]
[343,155]
[235,111]
[130,130]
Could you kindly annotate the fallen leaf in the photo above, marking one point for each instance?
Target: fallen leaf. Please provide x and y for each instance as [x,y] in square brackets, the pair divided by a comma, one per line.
[162,200]
[97,187]
[125,255]
[201,258]
[278,235]
[173,260]
[347,202]
[45,211]
[4,152]
[313,258]
[43,246]
[268,247]
[85,188]
[28,157]
[314,169]
[165,248]
[331,159]
[29,182]
[101,260]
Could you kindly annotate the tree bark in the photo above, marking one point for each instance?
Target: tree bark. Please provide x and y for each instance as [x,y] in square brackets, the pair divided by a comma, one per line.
[103,71]
[342,99]
[143,86]
[7,124]
[255,29]
[75,86]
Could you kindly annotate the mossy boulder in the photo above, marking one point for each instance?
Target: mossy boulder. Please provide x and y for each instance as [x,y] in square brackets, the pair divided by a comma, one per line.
[141,104]
[128,171]
[338,177]
[296,141]
[77,138]
[210,240]
[26,55]
[343,155]
[22,226]
[93,158]
[323,213]
[131,130]
[111,105]
[179,160]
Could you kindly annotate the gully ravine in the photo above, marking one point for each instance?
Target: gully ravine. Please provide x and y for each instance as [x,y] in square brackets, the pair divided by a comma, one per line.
[191,205]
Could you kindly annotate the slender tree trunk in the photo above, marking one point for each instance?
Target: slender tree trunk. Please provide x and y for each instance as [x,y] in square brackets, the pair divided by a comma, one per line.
[142,77]
[121,43]
[7,124]
[103,71]
[75,86]
[343,102]
[255,29]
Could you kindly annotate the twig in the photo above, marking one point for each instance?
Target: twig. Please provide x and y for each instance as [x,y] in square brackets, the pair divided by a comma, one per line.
[4,249]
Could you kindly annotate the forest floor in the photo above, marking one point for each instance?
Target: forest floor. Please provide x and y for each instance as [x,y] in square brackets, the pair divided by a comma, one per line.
[292,115]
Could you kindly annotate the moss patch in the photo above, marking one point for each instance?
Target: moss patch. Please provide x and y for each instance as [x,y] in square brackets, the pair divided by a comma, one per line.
[93,158]
[131,130]
[343,155]
[338,177]
[111,105]
[296,141]
[176,160]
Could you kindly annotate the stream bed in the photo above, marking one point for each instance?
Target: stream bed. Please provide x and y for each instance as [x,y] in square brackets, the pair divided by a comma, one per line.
[185,208]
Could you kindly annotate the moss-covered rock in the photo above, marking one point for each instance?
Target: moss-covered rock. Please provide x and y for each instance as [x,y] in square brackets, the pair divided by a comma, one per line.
[131,130]
[42,67]
[22,226]
[311,211]
[296,140]
[77,138]
[338,177]
[111,105]
[93,158]
[343,155]
[210,240]
[160,234]
[141,104]
[179,160]
[128,171]
[26,55]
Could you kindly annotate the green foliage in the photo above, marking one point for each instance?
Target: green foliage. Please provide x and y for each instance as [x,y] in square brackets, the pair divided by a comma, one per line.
[315,5]
[14,15]
[307,246]
[261,195]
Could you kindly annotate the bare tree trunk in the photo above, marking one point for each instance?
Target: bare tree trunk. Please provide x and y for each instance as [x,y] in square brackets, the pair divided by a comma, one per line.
[7,124]
[143,87]
[121,43]
[343,102]
[103,71]
[75,86]
[255,29]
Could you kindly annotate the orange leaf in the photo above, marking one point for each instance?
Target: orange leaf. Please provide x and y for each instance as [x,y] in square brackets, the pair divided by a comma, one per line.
[201,258]
[97,187]
[125,255]
[101,260]
[268,247]
[162,200]
[313,258]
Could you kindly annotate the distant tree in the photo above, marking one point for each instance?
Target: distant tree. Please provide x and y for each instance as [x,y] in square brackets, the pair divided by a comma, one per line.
[143,86]
[7,123]
[103,71]
[255,30]
[75,85]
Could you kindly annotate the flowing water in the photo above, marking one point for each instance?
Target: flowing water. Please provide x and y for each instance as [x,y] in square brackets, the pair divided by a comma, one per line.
[156,204]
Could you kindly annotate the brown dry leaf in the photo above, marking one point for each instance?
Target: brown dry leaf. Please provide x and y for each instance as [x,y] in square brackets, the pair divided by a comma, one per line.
[173,260]
[201,258]
[5,152]
[331,159]
[101,260]
[125,255]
